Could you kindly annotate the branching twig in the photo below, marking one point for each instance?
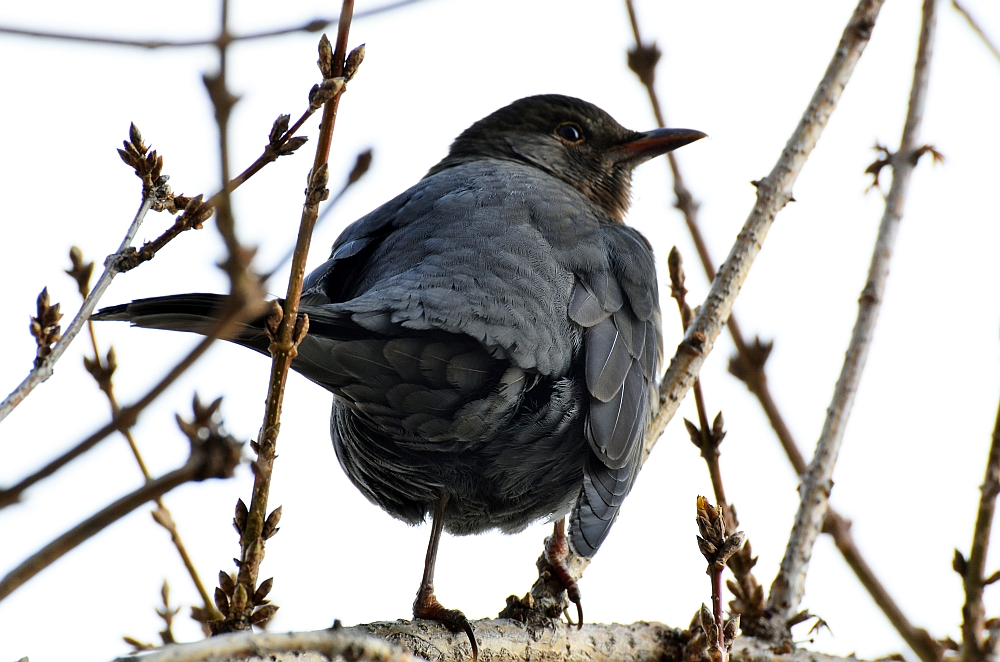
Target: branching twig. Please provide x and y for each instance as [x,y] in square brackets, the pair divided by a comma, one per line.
[230,316]
[772,194]
[103,373]
[501,640]
[286,330]
[717,547]
[788,586]
[315,25]
[704,436]
[213,455]
[973,571]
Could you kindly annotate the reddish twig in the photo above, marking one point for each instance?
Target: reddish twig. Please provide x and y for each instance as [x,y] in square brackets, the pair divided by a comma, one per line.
[213,455]
[286,330]
[103,372]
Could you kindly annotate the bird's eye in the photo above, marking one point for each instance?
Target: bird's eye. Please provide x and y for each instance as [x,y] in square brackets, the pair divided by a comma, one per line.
[570,132]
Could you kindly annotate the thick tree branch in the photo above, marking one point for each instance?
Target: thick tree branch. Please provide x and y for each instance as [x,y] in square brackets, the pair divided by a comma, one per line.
[500,640]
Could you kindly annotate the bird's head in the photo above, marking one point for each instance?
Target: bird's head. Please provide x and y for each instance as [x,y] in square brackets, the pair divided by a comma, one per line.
[570,139]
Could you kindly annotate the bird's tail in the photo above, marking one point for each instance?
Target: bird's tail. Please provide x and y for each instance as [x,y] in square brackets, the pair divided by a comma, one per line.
[191,313]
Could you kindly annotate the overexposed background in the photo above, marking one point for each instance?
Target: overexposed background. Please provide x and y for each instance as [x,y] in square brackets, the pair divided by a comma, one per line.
[914,452]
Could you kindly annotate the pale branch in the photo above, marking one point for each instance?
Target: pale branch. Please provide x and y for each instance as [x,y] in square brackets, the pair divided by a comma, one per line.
[976,28]
[773,192]
[500,640]
[789,585]
[974,575]
[748,366]
[111,269]
[315,25]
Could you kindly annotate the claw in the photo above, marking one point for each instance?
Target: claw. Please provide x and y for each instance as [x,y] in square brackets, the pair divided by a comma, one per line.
[426,606]
[556,553]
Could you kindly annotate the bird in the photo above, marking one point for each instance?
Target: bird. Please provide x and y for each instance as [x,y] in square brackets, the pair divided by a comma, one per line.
[491,336]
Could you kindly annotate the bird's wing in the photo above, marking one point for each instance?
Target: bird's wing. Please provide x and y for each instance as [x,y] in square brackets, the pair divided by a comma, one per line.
[622,348]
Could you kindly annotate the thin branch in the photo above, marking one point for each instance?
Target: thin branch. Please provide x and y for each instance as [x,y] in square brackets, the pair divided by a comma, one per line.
[286,330]
[748,366]
[978,30]
[974,577]
[501,640]
[773,192]
[789,585]
[111,269]
[214,457]
[234,312]
[315,25]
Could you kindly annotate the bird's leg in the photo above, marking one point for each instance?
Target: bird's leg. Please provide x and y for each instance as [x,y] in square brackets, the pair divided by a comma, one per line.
[556,554]
[426,605]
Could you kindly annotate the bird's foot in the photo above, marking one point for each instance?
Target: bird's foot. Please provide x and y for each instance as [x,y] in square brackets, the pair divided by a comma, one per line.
[426,606]
[556,555]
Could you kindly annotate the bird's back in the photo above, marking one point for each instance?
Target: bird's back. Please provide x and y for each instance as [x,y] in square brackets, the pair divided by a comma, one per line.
[472,375]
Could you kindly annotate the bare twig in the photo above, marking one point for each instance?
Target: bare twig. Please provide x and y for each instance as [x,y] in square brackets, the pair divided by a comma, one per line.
[501,640]
[45,369]
[315,25]
[974,570]
[978,30]
[788,586]
[773,192]
[103,373]
[286,330]
[213,455]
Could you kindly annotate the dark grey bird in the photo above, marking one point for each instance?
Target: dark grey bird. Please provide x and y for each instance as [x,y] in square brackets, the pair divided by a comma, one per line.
[491,336]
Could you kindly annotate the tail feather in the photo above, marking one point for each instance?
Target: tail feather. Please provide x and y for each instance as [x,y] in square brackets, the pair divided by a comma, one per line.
[191,313]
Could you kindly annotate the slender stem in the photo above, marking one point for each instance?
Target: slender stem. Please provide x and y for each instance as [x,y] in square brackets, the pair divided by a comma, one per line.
[290,330]
[974,611]
[127,416]
[789,585]
[163,516]
[45,370]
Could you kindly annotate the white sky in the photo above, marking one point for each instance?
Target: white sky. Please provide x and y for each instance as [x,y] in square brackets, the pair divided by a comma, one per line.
[743,72]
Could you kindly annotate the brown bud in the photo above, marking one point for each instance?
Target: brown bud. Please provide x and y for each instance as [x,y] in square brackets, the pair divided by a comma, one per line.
[354,60]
